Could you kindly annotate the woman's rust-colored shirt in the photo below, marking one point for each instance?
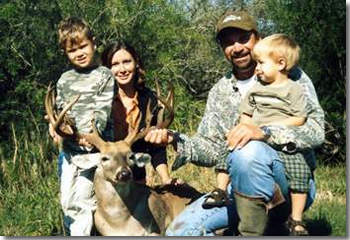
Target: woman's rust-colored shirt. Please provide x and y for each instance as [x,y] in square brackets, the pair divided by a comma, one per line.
[123,118]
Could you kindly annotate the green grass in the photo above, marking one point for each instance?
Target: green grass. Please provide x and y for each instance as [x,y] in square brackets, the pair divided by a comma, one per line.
[31,210]
[29,192]
[29,202]
[327,216]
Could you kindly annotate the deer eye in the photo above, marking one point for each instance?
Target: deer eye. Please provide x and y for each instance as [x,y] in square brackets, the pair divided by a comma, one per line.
[104,158]
[131,156]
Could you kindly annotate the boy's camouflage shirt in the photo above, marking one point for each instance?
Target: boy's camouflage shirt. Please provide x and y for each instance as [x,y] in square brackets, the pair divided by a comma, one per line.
[208,146]
[97,88]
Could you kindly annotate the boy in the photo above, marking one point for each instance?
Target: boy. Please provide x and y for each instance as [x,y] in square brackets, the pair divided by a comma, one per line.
[277,100]
[96,85]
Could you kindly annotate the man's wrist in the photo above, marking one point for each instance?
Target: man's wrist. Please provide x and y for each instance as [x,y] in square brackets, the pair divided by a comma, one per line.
[266,132]
[289,147]
[173,137]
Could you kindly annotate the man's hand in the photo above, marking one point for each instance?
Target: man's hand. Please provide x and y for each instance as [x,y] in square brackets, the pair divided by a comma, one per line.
[241,134]
[159,136]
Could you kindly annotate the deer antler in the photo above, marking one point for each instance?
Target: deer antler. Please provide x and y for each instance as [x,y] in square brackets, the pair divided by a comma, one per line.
[135,134]
[57,120]
[168,103]
[95,139]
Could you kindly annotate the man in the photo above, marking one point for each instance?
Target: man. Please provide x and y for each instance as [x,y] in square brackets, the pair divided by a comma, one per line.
[259,187]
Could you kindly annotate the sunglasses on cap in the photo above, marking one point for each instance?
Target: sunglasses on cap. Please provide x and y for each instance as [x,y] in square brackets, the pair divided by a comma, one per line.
[228,38]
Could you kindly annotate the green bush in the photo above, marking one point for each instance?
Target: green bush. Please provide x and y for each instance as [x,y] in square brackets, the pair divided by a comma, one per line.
[176,42]
[319,28]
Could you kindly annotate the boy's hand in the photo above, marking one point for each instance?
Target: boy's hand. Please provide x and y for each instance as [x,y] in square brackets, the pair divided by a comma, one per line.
[83,142]
[241,134]
[55,137]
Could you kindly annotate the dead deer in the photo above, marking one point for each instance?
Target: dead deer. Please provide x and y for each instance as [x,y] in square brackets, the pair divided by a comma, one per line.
[124,207]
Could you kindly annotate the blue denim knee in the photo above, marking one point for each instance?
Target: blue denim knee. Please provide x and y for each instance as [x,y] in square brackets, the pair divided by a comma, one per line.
[254,170]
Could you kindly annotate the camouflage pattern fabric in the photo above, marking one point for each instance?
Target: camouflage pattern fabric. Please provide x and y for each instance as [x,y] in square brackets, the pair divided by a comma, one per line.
[96,87]
[208,147]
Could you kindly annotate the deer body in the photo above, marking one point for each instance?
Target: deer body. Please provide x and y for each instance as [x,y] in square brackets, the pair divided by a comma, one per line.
[112,216]
[128,208]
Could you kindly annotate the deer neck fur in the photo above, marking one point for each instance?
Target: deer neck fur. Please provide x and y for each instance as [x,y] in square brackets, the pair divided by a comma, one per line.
[123,209]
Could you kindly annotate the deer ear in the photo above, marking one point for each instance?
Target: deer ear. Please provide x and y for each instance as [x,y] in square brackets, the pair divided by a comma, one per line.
[139,159]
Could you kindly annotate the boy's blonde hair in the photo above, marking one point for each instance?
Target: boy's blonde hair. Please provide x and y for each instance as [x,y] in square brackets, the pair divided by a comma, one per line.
[71,30]
[278,46]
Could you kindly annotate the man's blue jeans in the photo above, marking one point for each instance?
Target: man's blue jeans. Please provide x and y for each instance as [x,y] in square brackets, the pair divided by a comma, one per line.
[253,170]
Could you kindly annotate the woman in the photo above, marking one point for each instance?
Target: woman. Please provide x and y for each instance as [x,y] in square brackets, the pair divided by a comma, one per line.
[131,98]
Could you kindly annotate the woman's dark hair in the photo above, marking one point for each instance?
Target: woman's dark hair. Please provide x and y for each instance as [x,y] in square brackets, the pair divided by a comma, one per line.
[112,48]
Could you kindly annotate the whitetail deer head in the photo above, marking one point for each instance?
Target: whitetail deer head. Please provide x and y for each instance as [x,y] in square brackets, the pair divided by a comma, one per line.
[116,157]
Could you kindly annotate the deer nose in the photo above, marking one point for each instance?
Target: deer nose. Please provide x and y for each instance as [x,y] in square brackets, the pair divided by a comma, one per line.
[124,175]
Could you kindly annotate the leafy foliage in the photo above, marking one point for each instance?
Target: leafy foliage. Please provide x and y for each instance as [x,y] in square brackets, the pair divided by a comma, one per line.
[28,59]
[176,40]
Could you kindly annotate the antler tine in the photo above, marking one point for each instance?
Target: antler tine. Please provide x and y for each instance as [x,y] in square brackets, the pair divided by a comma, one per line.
[168,104]
[49,102]
[170,97]
[55,120]
[94,137]
[157,87]
[135,134]
[53,102]
[161,110]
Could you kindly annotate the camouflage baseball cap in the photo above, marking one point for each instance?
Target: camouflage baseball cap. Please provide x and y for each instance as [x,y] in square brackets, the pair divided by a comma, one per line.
[236,19]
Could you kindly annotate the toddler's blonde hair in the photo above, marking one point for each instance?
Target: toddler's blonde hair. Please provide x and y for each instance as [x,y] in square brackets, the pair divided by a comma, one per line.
[278,46]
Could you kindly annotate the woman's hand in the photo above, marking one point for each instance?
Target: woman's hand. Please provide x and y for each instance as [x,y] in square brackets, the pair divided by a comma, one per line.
[162,170]
[159,136]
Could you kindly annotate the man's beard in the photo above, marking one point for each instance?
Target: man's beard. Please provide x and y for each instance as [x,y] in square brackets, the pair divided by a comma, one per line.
[242,73]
